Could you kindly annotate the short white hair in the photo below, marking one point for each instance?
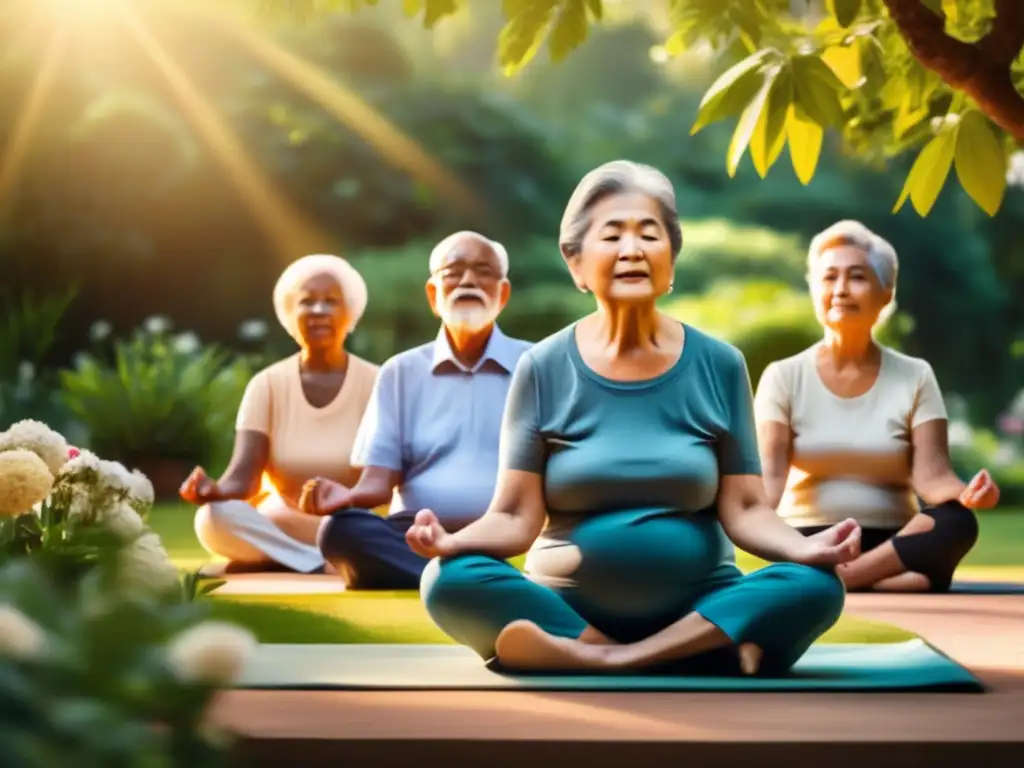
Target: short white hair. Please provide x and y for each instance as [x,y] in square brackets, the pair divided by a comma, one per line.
[879,252]
[353,288]
[443,249]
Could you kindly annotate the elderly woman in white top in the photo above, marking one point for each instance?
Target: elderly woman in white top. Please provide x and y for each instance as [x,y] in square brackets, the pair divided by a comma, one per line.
[852,429]
[297,421]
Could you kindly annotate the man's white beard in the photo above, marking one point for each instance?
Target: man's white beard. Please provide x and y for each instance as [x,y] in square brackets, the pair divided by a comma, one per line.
[469,317]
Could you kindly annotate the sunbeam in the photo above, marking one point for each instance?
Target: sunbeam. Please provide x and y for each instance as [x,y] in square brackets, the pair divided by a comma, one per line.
[14,155]
[346,106]
[291,232]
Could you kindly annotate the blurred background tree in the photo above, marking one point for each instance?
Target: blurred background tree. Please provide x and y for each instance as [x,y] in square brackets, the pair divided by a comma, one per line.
[178,155]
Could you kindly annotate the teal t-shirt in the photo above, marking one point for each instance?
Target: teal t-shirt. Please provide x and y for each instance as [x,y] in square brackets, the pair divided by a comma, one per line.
[635,449]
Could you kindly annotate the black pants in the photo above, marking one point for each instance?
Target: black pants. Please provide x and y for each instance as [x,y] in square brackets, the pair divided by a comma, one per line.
[935,553]
[369,551]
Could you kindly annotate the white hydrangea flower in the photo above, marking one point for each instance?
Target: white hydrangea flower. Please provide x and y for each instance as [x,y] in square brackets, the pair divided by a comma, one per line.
[25,481]
[145,566]
[142,489]
[123,521]
[116,477]
[84,462]
[20,637]
[37,437]
[213,653]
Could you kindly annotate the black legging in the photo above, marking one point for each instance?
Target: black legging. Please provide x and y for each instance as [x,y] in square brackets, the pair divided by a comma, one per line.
[935,553]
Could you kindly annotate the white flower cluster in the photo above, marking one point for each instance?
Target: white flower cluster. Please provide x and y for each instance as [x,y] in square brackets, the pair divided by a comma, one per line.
[86,491]
[212,653]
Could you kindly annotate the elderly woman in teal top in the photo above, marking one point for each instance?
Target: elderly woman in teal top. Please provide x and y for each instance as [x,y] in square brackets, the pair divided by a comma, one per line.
[632,435]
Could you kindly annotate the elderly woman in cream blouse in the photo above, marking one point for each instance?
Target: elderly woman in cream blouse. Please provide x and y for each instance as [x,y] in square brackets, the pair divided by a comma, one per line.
[297,421]
[852,429]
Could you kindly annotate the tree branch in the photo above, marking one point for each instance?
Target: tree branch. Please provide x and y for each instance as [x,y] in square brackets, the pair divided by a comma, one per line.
[980,70]
[1006,38]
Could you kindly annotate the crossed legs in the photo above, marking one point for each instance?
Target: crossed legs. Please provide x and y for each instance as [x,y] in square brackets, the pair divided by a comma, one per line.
[920,557]
[761,622]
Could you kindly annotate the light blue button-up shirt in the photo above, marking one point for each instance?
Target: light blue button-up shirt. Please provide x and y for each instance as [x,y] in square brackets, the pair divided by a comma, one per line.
[438,424]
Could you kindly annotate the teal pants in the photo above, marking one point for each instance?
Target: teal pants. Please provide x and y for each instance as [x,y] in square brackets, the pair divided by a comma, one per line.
[637,577]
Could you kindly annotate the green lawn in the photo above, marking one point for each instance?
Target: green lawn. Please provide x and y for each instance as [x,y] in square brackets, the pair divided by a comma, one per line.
[392,617]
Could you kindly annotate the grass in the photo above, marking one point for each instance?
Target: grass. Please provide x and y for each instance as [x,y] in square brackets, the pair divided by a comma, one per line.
[399,617]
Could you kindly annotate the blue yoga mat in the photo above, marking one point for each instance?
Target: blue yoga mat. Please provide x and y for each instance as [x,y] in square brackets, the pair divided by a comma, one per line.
[987,588]
[908,666]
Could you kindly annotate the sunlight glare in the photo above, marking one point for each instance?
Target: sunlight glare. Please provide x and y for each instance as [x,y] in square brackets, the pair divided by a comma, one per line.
[83,12]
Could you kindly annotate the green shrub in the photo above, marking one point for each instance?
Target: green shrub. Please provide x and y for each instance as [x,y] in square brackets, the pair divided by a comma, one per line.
[159,396]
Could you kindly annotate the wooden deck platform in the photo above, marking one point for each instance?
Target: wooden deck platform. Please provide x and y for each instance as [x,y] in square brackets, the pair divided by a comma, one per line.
[531,729]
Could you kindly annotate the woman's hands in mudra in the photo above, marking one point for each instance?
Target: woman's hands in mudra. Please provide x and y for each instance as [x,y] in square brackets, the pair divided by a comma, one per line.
[981,493]
[427,538]
[321,496]
[833,546]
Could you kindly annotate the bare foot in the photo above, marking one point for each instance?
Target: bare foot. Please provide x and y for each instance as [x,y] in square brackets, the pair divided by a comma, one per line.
[750,658]
[524,645]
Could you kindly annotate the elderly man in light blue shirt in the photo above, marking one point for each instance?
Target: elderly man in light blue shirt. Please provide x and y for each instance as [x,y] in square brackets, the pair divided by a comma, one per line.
[429,439]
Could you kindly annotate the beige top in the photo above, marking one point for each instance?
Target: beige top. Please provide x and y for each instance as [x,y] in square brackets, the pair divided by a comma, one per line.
[306,442]
[851,455]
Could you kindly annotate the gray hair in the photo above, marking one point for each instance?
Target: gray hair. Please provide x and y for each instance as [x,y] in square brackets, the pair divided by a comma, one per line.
[353,287]
[444,248]
[616,178]
[880,254]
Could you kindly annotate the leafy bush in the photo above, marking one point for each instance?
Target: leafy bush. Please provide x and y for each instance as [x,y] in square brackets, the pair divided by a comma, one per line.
[160,396]
[28,330]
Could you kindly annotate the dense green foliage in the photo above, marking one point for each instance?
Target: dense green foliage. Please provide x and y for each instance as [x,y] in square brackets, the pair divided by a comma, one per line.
[936,76]
[150,222]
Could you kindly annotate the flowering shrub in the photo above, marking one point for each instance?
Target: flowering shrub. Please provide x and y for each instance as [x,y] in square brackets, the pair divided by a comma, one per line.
[73,508]
[104,657]
[91,676]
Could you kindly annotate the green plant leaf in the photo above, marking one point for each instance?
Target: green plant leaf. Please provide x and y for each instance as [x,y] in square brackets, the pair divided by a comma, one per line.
[805,138]
[412,8]
[929,172]
[845,11]
[980,159]
[435,10]
[748,122]
[817,90]
[770,132]
[733,89]
[596,8]
[569,30]
[524,34]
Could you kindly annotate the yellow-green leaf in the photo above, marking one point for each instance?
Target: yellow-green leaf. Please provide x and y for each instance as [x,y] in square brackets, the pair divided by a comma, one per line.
[523,35]
[596,8]
[845,11]
[844,61]
[817,89]
[770,132]
[412,7]
[570,28]
[980,159]
[906,118]
[731,91]
[437,10]
[676,44]
[805,139]
[747,122]
[929,172]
